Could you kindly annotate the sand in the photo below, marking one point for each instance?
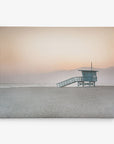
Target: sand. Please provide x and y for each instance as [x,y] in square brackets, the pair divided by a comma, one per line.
[23,102]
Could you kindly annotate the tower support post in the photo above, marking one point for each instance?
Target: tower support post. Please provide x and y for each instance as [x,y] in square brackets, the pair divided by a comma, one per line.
[78,84]
[94,84]
[89,83]
[83,84]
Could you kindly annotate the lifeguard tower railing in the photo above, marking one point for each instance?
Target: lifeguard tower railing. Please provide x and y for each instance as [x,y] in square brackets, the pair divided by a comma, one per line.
[79,80]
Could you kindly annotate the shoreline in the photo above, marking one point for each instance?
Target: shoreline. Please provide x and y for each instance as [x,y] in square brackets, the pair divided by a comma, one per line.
[36,86]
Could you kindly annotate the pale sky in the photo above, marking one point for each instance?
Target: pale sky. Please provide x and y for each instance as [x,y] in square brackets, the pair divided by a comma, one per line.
[37,50]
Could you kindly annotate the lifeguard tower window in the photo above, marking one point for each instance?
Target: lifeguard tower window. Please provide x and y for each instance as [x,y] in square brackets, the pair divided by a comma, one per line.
[89,75]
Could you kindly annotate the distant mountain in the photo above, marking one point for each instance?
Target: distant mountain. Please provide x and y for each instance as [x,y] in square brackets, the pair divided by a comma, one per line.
[105,77]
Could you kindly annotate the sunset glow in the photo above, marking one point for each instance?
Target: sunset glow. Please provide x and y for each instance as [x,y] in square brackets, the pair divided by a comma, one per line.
[37,50]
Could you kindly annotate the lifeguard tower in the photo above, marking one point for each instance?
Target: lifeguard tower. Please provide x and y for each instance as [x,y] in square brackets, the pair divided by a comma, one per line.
[88,78]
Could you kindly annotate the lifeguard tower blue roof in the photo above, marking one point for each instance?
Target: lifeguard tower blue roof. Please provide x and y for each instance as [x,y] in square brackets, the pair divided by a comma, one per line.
[88,70]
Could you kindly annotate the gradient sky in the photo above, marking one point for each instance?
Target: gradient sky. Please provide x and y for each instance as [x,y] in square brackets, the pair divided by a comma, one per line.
[37,50]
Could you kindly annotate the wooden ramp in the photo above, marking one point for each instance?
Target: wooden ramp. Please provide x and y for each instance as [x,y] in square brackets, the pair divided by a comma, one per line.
[70,81]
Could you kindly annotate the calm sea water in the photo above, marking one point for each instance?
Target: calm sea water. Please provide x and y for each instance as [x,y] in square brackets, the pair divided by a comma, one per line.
[25,85]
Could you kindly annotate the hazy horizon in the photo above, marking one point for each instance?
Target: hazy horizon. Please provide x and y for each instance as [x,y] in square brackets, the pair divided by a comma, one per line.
[105,78]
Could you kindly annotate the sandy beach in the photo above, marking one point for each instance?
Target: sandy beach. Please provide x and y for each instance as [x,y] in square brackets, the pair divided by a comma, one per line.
[46,102]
